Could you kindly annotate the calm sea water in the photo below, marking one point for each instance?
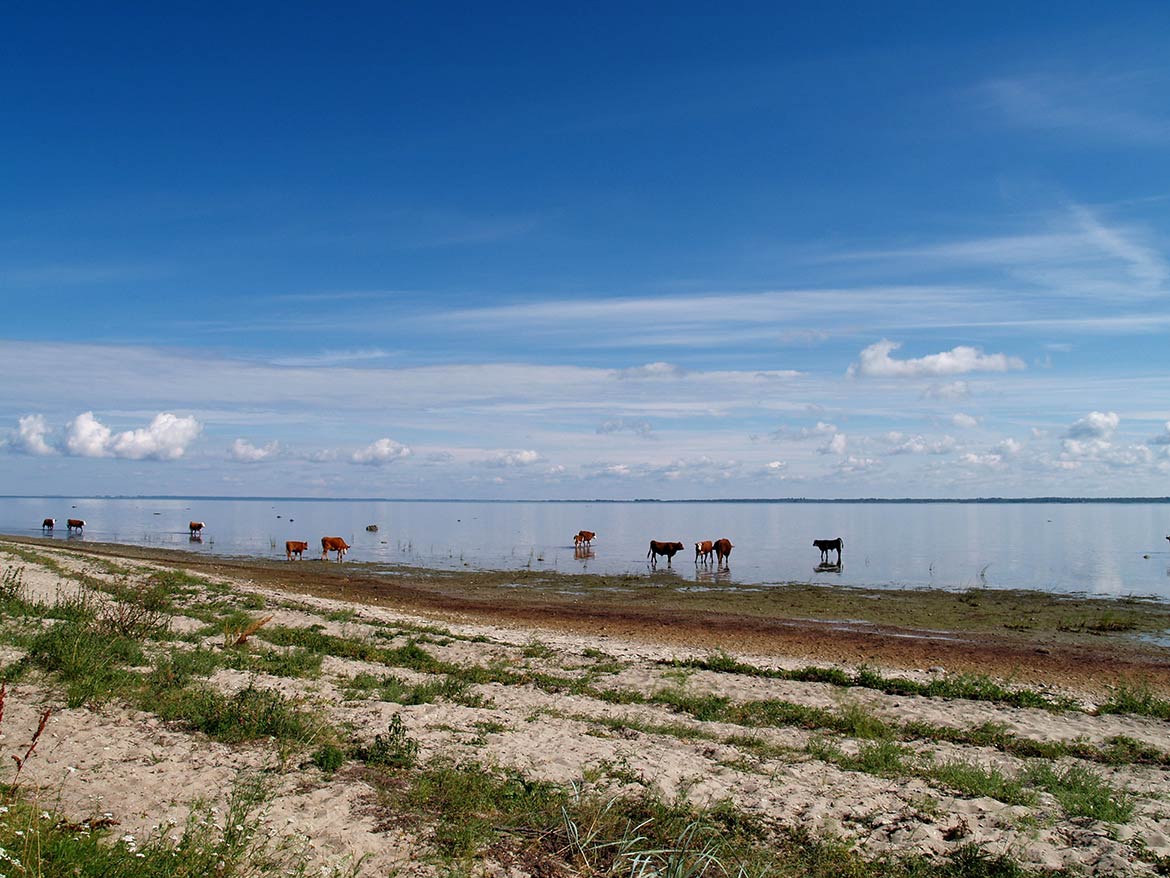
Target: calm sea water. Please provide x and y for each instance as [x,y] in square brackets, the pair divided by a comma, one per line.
[1095,548]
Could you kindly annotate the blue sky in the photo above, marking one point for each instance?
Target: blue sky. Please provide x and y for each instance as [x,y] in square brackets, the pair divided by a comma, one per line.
[486,250]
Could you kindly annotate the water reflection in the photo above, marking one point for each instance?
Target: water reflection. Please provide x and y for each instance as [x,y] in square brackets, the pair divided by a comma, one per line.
[1098,548]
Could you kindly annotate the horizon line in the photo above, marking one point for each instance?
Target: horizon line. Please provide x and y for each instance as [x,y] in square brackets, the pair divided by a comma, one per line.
[302,499]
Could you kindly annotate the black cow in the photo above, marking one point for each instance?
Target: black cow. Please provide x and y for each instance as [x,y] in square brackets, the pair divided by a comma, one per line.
[826,545]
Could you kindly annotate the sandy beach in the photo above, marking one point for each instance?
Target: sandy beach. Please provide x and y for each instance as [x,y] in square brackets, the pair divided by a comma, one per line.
[615,688]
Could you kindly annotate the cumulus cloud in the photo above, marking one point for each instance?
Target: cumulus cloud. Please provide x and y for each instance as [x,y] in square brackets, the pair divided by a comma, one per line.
[965,421]
[1094,425]
[853,464]
[514,458]
[86,436]
[1162,438]
[875,361]
[382,451]
[244,451]
[836,445]
[651,371]
[920,444]
[167,437]
[1008,447]
[30,436]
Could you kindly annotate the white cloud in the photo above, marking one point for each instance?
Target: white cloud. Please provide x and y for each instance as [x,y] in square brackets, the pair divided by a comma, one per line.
[86,436]
[651,371]
[954,390]
[382,451]
[1094,425]
[987,461]
[1162,438]
[1008,447]
[922,445]
[165,438]
[836,445]
[514,458]
[852,464]
[245,452]
[30,436]
[875,361]
[965,421]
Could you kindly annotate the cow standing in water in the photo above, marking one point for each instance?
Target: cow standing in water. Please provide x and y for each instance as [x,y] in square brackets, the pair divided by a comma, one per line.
[722,551]
[583,538]
[196,528]
[703,550]
[838,544]
[295,547]
[333,544]
[48,524]
[75,524]
[660,548]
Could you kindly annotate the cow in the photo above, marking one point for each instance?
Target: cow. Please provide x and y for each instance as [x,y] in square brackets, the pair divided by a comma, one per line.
[333,544]
[196,528]
[826,545]
[703,550]
[658,548]
[48,524]
[722,551]
[75,524]
[295,547]
[583,538]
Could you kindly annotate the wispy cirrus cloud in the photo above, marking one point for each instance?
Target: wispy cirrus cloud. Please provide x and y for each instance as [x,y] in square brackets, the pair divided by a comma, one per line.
[1108,105]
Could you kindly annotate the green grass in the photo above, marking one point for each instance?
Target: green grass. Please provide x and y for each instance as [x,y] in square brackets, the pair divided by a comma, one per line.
[35,842]
[1137,700]
[974,781]
[971,687]
[467,811]
[1082,792]
[247,715]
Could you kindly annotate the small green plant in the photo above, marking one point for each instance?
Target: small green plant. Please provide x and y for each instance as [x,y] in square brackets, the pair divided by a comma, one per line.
[395,749]
[328,758]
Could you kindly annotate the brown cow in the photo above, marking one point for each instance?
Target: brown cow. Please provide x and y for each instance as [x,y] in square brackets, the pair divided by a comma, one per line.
[295,547]
[48,524]
[75,524]
[703,550]
[196,528]
[658,548]
[333,544]
[722,551]
[583,538]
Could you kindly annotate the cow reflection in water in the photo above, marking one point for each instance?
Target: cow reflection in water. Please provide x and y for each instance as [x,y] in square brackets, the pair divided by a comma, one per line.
[583,553]
[713,575]
[828,567]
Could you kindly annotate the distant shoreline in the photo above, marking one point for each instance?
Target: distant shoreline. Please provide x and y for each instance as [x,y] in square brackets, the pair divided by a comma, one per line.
[722,500]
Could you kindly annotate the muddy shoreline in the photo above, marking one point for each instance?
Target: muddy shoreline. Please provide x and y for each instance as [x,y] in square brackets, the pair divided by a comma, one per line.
[1032,638]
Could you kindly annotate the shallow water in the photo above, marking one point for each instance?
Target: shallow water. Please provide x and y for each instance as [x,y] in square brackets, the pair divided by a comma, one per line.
[1106,549]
